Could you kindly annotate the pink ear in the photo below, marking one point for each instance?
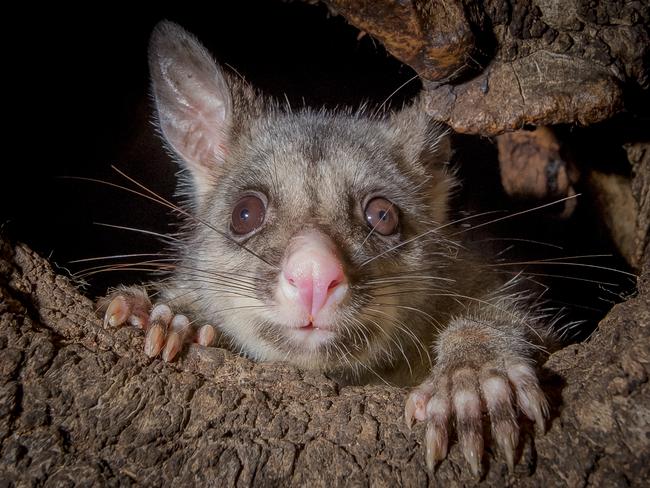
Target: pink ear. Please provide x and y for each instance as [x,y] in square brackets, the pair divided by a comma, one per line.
[193,101]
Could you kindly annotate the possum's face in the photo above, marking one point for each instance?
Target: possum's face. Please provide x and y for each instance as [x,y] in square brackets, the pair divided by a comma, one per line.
[317,236]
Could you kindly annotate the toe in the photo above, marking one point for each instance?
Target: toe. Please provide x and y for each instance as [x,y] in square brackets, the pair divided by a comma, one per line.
[173,345]
[132,301]
[437,435]
[205,335]
[159,321]
[176,338]
[468,423]
[467,407]
[117,313]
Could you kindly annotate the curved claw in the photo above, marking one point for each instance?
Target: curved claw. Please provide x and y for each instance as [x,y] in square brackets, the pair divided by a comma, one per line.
[159,320]
[472,446]
[154,341]
[436,442]
[530,398]
[179,328]
[117,312]
[173,345]
[416,404]
[467,406]
[498,399]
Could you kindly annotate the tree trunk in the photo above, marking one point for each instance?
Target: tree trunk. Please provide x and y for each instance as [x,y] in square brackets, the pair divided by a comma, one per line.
[82,405]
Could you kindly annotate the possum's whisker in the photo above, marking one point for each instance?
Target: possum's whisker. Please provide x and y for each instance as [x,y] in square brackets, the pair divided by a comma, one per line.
[123,188]
[217,277]
[419,346]
[406,277]
[346,355]
[420,281]
[362,328]
[555,262]
[229,286]
[390,337]
[153,196]
[430,231]
[250,282]
[517,214]
[225,293]
[360,363]
[389,97]
[140,231]
[154,263]
[408,291]
[517,239]
[432,320]
[426,233]
[240,307]
[221,286]
[354,333]
[117,256]
[125,267]
[488,303]
[559,276]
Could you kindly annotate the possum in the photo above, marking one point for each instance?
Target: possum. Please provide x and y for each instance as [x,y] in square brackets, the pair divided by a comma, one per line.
[322,238]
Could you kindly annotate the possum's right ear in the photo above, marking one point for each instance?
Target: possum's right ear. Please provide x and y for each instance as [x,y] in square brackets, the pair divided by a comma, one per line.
[193,102]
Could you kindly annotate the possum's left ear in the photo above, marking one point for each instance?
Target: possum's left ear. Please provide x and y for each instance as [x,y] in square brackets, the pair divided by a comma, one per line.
[425,148]
[193,102]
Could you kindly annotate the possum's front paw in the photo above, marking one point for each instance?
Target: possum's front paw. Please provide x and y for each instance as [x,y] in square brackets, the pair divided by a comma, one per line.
[481,376]
[165,331]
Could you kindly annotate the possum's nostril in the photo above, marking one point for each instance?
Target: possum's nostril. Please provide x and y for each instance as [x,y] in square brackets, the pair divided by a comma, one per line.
[334,284]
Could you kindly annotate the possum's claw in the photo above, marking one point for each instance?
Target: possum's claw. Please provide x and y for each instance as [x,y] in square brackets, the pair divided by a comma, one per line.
[461,394]
[166,332]
[159,320]
[130,305]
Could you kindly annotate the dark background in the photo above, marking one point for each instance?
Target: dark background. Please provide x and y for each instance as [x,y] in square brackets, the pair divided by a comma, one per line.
[86,107]
[80,92]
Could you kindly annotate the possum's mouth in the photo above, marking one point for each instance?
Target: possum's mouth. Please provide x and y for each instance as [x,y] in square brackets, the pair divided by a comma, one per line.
[310,326]
[310,336]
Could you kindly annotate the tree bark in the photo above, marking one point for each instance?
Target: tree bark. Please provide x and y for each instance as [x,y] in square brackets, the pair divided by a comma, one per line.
[495,66]
[81,405]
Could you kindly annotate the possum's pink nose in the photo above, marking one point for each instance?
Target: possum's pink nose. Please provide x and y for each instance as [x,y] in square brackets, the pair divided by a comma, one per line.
[315,272]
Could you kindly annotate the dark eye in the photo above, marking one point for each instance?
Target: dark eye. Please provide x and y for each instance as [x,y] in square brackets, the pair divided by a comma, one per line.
[248,214]
[381,215]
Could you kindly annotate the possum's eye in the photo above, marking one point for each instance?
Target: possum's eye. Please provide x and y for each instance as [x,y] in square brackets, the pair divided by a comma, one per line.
[248,214]
[382,216]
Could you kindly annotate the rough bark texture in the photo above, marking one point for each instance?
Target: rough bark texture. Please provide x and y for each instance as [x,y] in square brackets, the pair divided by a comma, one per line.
[539,62]
[80,405]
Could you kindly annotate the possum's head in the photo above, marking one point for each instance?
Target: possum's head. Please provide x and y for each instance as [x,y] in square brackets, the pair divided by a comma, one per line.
[315,234]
